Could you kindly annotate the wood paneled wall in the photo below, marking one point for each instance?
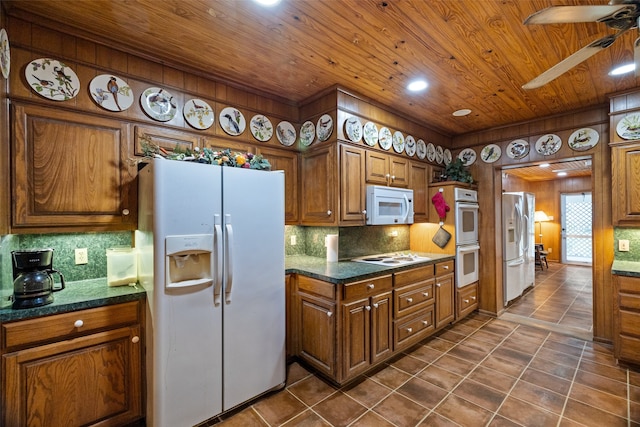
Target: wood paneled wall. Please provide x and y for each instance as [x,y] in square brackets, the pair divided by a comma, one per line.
[490,187]
[5,198]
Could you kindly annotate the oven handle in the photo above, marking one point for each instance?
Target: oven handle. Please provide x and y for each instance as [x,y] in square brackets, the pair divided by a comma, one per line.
[463,249]
[467,205]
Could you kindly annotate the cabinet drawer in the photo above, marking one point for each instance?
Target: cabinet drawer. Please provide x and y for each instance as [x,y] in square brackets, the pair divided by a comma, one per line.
[318,287]
[367,288]
[69,325]
[629,301]
[467,299]
[413,276]
[412,298]
[443,268]
[629,349]
[629,322]
[413,329]
[628,284]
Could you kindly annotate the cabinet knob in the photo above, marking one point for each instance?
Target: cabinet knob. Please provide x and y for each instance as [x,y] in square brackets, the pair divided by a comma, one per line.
[371,286]
[426,294]
[438,285]
[409,300]
[387,175]
[329,213]
[375,305]
[425,323]
[445,267]
[368,307]
[393,177]
[364,212]
[125,212]
[329,314]
[135,339]
[409,330]
[78,323]
[473,298]
[466,301]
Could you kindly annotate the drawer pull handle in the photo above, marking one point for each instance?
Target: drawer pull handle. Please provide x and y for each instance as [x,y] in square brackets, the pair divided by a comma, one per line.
[375,305]
[473,298]
[409,300]
[466,301]
[425,323]
[368,307]
[329,314]
[445,267]
[135,339]
[78,323]
[409,330]
[371,286]
[438,285]
[426,294]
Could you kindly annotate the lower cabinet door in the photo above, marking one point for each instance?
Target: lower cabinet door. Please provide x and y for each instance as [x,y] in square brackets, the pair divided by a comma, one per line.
[317,333]
[381,327]
[82,381]
[356,326]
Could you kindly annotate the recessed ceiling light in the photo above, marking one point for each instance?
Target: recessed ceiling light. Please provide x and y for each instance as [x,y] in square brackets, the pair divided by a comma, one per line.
[623,69]
[417,85]
[463,112]
[545,165]
[562,174]
[267,2]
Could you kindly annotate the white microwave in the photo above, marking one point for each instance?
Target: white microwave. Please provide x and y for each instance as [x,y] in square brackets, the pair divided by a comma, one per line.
[389,205]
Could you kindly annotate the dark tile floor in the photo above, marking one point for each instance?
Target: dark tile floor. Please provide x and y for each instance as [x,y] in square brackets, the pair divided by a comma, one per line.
[481,371]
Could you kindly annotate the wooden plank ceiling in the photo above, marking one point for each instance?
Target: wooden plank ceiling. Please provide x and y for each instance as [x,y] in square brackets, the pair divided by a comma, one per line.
[475,54]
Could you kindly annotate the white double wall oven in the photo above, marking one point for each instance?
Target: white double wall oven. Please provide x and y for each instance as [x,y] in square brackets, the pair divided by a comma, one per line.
[466,232]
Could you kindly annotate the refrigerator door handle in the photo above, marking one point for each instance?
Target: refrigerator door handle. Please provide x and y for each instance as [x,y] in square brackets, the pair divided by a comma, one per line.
[229,258]
[217,267]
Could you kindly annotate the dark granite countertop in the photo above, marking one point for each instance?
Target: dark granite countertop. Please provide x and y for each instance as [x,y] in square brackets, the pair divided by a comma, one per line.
[348,271]
[77,296]
[626,268]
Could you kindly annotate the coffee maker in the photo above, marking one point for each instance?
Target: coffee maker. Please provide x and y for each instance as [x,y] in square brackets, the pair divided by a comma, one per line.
[32,281]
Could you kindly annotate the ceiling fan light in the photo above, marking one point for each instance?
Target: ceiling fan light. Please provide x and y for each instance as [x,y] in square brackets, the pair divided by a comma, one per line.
[267,3]
[623,69]
[545,165]
[417,85]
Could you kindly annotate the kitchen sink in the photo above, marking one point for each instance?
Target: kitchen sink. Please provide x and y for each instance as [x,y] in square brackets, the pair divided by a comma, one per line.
[392,260]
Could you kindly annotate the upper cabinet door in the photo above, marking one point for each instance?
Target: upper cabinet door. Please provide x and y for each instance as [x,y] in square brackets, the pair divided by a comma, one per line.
[625,174]
[319,187]
[71,172]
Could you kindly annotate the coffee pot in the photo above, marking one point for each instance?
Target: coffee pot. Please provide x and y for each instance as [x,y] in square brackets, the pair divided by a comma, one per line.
[33,285]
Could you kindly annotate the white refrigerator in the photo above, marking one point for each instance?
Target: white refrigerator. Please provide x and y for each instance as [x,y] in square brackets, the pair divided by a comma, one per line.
[517,246]
[211,245]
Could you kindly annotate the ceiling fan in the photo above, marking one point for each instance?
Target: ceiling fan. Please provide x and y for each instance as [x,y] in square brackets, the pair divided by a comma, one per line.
[621,15]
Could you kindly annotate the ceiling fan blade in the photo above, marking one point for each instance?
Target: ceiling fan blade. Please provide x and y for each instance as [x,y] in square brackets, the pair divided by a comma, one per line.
[636,56]
[571,61]
[571,14]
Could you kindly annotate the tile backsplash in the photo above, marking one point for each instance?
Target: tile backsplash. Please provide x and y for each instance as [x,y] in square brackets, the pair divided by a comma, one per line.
[633,236]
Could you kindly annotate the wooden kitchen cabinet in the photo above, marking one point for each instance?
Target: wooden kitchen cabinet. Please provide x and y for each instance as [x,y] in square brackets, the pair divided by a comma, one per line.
[286,161]
[167,139]
[625,174]
[413,305]
[77,368]
[366,324]
[319,203]
[444,294]
[626,315]
[352,189]
[385,169]
[419,183]
[71,171]
[466,300]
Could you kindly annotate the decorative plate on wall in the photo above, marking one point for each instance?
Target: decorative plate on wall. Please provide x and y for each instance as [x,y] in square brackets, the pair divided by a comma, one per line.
[111,92]
[439,154]
[398,142]
[307,133]
[261,128]
[232,121]
[410,145]
[158,104]
[198,113]
[5,54]
[384,138]
[548,144]
[52,79]
[286,133]
[491,153]
[468,156]
[431,152]
[517,149]
[447,156]
[353,129]
[421,149]
[629,126]
[370,134]
[324,128]
[583,139]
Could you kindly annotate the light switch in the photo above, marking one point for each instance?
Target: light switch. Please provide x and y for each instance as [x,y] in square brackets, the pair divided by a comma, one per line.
[623,245]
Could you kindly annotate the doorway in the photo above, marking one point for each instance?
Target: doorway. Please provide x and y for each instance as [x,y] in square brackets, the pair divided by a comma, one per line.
[576,228]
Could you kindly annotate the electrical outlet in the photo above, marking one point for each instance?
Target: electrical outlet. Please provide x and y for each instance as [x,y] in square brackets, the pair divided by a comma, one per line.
[549,250]
[81,256]
[623,245]
[294,240]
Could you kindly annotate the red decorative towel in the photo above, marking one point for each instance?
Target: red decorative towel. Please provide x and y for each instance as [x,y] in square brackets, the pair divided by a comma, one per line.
[441,206]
